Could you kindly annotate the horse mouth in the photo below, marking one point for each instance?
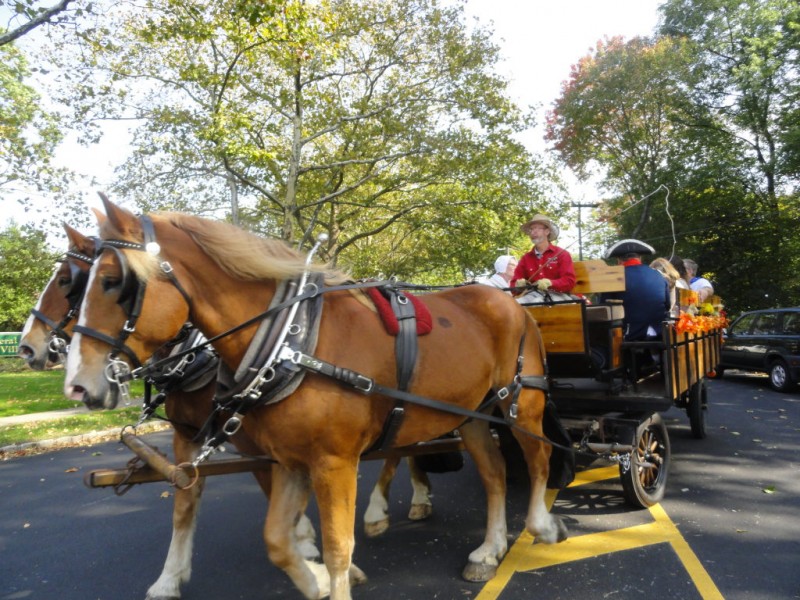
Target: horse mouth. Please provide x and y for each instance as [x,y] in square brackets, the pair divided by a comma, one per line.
[106,401]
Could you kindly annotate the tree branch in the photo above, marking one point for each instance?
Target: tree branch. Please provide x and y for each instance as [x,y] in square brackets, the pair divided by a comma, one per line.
[40,19]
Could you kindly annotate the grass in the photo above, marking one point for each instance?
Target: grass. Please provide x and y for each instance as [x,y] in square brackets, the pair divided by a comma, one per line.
[23,391]
[38,431]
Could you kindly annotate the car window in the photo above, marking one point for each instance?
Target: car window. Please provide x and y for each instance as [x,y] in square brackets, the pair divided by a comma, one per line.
[791,323]
[766,324]
[742,326]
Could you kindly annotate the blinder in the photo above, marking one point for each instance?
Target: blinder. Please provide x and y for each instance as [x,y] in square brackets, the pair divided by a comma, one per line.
[130,287]
[78,278]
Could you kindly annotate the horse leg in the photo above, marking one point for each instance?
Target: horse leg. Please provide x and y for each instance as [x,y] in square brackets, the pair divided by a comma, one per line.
[335,485]
[304,530]
[545,527]
[290,491]
[376,517]
[421,506]
[178,566]
[480,444]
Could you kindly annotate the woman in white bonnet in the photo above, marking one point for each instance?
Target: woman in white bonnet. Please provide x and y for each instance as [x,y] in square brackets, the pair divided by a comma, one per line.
[503,271]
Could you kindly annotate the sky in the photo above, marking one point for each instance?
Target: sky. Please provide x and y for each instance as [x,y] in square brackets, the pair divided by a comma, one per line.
[539,41]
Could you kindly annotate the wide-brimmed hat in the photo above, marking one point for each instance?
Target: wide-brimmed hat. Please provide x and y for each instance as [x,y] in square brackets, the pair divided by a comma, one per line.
[554,230]
[623,247]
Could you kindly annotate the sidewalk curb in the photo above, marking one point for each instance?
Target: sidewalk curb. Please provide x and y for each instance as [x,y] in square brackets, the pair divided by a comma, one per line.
[75,441]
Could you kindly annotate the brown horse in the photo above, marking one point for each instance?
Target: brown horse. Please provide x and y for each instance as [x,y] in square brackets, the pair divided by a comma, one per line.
[45,339]
[188,409]
[220,277]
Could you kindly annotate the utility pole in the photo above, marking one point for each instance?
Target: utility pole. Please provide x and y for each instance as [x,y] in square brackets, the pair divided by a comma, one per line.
[579,206]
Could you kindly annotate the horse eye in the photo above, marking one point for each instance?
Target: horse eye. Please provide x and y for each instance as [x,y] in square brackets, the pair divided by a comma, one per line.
[64,282]
[110,283]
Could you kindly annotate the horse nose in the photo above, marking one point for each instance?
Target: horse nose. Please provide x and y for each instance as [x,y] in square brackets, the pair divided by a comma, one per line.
[26,353]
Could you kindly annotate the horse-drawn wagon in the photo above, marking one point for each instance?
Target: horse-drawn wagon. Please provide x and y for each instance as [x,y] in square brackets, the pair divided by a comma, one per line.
[149,274]
[609,392]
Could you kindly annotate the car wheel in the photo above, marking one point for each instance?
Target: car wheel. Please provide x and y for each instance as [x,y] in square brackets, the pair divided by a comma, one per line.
[779,378]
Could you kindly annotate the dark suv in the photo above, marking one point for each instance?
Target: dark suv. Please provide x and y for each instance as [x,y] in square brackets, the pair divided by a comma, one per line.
[767,341]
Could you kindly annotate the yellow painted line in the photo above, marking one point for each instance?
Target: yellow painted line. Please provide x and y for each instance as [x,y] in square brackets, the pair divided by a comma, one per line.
[524,555]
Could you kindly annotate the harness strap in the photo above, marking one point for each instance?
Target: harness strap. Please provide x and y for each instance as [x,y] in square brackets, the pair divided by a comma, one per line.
[405,358]
[368,386]
[117,344]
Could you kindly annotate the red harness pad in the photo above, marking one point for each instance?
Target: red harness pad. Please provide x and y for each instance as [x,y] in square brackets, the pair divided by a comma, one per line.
[381,302]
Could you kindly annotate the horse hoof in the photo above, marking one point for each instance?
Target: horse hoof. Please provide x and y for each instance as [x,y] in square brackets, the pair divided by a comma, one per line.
[563,533]
[478,572]
[357,576]
[558,533]
[419,512]
[376,528]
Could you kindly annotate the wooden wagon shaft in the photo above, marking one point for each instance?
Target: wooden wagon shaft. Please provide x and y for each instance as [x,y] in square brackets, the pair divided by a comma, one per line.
[158,467]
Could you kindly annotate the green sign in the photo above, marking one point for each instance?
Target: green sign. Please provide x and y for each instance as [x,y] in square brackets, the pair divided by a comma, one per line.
[9,342]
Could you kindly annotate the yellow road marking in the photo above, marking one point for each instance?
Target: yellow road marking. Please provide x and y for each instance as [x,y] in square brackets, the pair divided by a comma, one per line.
[524,555]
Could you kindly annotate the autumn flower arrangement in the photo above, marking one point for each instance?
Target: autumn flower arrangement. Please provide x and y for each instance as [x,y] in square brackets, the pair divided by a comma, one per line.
[701,319]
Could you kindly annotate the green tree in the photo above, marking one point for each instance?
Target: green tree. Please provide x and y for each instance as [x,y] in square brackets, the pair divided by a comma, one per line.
[374,122]
[745,66]
[26,264]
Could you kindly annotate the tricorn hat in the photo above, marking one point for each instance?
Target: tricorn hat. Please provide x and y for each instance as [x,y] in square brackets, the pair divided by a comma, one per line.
[554,230]
[623,247]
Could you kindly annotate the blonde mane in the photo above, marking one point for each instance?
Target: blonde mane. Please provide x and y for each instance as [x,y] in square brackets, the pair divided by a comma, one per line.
[245,255]
[239,253]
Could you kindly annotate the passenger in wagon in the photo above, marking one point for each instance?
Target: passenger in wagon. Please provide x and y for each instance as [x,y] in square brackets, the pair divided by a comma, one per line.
[545,266]
[672,277]
[646,296]
[701,285]
[504,268]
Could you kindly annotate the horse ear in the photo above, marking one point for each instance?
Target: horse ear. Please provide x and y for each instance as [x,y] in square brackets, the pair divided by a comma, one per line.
[75,237]
[101,218]
[120,218]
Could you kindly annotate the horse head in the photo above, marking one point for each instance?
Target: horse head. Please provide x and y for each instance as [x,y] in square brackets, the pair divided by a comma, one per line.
[48,330]
[119,325]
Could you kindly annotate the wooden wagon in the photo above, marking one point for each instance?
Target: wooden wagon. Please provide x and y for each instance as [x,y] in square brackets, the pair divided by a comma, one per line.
[609,392]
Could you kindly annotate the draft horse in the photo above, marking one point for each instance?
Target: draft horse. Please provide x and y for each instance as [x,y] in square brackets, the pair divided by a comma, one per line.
[180,268]
[188,402]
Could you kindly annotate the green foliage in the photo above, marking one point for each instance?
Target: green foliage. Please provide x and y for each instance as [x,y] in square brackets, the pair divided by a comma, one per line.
[373,122]
[26,264]
[688,132]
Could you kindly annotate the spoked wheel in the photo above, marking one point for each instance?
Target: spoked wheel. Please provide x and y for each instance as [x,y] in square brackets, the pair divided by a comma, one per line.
[696,409]
[644,481]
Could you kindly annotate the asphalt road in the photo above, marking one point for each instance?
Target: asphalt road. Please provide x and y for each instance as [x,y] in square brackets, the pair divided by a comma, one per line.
[729,526]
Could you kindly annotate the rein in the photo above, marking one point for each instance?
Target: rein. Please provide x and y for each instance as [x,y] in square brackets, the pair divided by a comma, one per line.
[131,298]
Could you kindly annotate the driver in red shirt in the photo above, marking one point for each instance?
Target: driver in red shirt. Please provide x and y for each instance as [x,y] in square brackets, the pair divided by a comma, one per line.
[545,266]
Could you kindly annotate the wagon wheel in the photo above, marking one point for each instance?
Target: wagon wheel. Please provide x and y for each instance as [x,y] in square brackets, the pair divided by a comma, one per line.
[644,481]
[696,409]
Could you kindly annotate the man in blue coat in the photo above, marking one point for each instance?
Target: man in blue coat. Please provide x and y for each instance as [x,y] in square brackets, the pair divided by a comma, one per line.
[646,296]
